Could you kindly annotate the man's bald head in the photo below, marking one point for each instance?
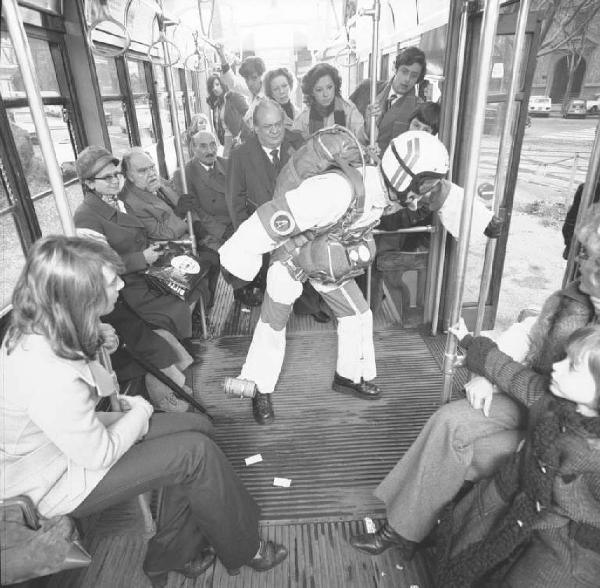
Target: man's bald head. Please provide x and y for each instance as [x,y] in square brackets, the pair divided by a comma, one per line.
[204,147]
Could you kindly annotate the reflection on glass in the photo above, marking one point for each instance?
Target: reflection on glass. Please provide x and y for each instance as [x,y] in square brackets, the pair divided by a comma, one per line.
[165,115]
[4,199]
[502,60]
[137,76]
[106,69]
[180,111]
[28,149]
[116,125]
[47,212]
[13,258]
[176,79]
[12,81]
[159,77]
[144,120]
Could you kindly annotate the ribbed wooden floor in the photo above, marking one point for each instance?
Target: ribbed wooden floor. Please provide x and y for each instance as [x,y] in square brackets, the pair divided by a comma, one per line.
[334,447]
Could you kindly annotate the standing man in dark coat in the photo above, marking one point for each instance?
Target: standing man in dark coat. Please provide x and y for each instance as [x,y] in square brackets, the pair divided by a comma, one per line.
[206,175]
[396,100]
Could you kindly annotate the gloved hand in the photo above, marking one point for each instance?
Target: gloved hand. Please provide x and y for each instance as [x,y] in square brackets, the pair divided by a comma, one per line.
[494,228]
[184,204]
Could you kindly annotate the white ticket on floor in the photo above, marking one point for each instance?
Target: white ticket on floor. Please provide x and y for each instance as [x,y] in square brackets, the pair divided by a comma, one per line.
[253,459]
[283,482]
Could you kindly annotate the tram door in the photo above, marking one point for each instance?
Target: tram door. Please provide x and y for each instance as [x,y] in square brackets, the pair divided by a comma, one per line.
[495,112]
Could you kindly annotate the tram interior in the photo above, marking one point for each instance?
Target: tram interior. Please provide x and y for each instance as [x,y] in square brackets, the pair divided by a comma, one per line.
[105,83]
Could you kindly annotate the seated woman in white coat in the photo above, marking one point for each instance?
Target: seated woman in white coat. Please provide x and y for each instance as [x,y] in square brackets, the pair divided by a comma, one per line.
[71,459]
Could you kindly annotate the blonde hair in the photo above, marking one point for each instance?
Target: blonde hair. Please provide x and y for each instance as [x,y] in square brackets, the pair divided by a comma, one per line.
[61,294]
[586,340]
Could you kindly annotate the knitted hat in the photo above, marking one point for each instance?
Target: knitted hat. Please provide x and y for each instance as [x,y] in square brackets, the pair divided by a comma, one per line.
[91,160]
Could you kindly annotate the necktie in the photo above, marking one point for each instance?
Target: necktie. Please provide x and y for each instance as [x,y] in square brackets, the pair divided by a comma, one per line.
[275,159]
[390,101]
[212,172]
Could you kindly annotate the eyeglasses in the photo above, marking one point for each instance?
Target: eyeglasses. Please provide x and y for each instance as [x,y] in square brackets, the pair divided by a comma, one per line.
[109,177]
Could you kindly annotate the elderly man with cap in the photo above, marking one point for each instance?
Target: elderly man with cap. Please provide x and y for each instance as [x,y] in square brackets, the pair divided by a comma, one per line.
[102,216]
[160,209]
[321,231]
[205,175]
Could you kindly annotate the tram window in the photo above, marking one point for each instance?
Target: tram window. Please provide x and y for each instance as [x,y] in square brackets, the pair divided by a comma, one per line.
[189,81]
[144,120]
[502,64]
[28,148]
[12,81]
[106,69]
[13,258]
[47,213]
[137,76]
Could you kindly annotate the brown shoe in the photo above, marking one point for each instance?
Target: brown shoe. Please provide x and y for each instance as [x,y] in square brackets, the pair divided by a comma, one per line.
[384,538]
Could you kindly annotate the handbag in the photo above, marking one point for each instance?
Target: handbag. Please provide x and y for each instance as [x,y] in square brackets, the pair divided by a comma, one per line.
[33,546]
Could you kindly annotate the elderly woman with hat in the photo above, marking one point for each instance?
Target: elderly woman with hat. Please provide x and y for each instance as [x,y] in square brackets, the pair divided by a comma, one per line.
[102,216]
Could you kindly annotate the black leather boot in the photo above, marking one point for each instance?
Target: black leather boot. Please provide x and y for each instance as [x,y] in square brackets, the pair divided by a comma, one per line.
[384,538]
[362,389]
[262,409]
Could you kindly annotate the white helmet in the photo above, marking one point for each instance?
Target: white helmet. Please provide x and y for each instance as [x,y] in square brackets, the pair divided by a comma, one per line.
[412,157]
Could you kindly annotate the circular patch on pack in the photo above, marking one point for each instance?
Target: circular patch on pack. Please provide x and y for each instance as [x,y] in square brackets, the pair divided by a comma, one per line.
[185,264]
[282,223]
[364,253]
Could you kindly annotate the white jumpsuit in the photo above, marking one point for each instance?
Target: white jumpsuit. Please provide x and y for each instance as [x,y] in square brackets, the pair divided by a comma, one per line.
[318,202]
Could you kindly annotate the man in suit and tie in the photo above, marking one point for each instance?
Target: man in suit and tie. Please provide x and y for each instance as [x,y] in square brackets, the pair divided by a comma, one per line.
[396,99]
[161,210]
[205,175]
[253,170]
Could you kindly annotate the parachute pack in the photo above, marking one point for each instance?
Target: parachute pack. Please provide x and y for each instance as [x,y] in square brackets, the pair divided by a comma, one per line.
[335,253]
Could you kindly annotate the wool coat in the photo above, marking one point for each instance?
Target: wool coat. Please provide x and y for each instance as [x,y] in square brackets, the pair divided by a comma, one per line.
[156,214]
[54,446]
[251,175]
[127,235]
[208,189]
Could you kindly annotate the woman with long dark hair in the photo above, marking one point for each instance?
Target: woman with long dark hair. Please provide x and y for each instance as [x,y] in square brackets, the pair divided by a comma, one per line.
[228,109]
[278,84]
[69,458]
[325,106]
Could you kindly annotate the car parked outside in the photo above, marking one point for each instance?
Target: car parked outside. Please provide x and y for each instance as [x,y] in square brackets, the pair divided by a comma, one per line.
[592,105]
[575,108]
[539,106]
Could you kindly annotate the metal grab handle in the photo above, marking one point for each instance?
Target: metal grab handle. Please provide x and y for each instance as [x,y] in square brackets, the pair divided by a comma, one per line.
[102,15]
[162,40]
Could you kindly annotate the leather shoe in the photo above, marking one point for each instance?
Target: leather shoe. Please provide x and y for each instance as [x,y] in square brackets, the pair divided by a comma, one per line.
[362,389]
[262,408]
[270,555]
[192,569]
[384,538]
[321,317]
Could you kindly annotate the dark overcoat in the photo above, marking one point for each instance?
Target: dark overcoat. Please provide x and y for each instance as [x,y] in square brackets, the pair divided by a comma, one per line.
[127,236]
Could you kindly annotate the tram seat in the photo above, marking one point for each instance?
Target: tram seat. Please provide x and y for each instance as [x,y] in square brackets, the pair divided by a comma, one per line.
[394,265]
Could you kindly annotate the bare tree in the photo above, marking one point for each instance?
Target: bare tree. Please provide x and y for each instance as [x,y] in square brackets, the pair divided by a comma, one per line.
[565,29]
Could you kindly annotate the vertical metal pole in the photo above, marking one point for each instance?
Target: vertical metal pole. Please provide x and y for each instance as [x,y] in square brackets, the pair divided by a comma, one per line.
[486,49]
[518,64]
[587,197]
[572,176]
[442,233]
[375,13]
[175,119]
[10,11]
